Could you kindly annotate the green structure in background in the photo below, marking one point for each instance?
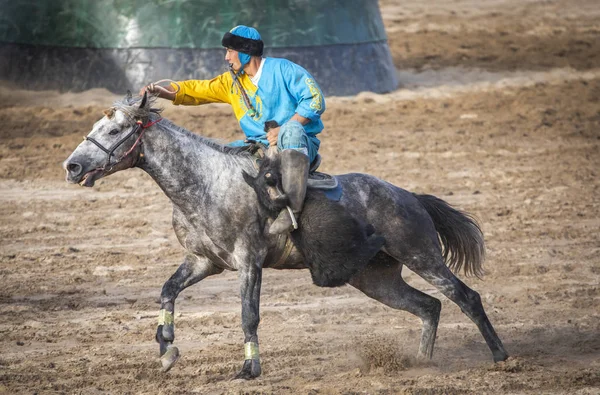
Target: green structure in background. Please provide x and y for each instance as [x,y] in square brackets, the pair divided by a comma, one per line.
[122,44]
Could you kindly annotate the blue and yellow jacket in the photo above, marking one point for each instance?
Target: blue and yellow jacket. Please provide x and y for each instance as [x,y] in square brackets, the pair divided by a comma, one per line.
[284,88]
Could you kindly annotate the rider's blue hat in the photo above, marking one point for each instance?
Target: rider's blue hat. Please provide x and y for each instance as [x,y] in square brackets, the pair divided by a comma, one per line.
[244,39]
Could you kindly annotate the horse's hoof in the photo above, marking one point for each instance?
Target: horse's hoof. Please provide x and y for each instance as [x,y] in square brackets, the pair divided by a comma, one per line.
[499,357]
[250,371]
[243,375]
[424,357]
[169,358]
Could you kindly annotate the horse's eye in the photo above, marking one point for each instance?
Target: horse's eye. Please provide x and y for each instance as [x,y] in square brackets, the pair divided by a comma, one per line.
[114,131]
[270,180]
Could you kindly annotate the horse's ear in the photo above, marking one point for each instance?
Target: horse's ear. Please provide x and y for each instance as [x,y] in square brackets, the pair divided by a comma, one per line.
[144,100]
[248,178]
[109,112]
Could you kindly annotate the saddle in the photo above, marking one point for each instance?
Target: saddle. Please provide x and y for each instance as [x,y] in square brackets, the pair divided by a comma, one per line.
[324,182]
[327,183]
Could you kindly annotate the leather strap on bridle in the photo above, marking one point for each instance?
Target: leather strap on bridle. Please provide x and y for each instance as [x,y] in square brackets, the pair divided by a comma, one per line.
[111,150]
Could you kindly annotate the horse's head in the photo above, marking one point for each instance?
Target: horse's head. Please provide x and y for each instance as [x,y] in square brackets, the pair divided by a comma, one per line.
[112,145]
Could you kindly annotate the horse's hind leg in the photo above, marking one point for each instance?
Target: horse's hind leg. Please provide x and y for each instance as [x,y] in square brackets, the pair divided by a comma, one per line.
[382,280]
[192,270]
[435,272]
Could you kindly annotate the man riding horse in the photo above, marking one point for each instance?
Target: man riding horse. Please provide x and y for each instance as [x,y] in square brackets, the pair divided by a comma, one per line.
[262,89]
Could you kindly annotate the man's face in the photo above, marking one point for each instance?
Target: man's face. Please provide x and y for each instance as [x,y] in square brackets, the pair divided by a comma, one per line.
[232,57]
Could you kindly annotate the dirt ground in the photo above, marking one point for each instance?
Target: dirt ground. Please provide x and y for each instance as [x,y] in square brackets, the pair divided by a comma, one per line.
[498,113]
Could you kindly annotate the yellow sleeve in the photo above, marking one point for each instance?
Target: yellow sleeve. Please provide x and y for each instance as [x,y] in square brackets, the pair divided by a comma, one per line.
[195,92]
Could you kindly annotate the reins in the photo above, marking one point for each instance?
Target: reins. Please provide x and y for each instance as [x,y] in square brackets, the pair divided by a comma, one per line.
[111,150]
[238,84]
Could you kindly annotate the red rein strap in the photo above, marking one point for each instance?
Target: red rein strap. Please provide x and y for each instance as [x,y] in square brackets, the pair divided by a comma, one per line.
[144,127]
[149,123]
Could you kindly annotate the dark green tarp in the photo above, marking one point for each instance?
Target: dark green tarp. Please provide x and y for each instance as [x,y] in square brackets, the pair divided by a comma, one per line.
[121,44]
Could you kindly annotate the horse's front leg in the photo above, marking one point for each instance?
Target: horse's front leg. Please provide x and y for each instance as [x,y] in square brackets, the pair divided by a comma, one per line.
[192,270]
[250,281]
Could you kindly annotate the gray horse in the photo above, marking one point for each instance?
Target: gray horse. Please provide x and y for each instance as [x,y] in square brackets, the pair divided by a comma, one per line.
[218,220]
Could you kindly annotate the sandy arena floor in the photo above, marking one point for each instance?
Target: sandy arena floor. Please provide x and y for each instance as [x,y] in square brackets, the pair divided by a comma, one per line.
[498,113]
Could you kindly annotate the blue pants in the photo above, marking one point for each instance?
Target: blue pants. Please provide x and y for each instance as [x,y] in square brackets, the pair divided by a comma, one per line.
[292,136]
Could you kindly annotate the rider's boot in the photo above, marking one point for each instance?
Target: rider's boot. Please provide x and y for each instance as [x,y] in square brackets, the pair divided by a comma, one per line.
[294,176]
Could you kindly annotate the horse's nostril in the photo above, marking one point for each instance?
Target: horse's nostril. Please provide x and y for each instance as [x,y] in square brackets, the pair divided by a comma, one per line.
[74,168]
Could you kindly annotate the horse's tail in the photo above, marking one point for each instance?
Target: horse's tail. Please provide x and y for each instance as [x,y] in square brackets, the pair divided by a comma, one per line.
[461,236]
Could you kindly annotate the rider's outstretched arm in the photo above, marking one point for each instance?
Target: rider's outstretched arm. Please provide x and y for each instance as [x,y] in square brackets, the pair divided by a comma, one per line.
[164,92]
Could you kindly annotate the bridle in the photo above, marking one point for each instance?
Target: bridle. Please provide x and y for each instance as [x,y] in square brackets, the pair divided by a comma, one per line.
[111,150]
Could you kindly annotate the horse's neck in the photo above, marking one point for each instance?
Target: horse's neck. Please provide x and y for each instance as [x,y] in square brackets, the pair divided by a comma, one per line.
[187,168]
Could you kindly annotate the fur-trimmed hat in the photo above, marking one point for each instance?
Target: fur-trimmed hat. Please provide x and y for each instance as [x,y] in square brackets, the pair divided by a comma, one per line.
[244,39]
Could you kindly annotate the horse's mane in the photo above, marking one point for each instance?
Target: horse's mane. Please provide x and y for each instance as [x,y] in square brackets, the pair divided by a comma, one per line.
[246,150]
[130,106]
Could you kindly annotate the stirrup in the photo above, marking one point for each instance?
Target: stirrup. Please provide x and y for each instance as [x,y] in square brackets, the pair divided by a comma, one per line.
[284,223]
[293,217]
